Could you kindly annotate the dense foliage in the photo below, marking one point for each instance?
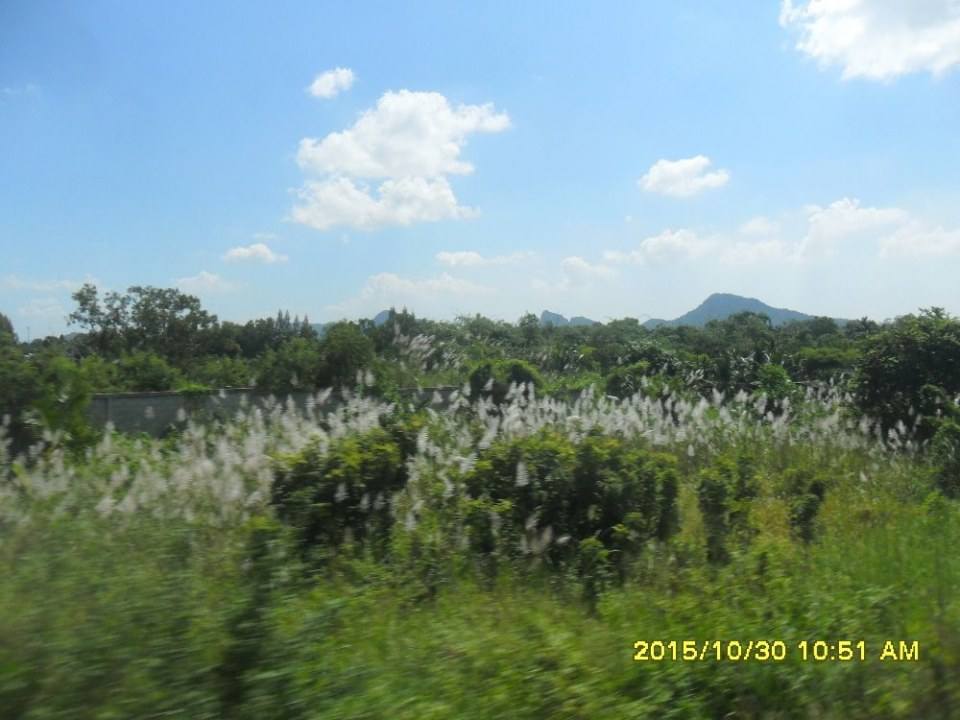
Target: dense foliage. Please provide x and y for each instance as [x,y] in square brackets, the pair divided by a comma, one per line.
[498,553]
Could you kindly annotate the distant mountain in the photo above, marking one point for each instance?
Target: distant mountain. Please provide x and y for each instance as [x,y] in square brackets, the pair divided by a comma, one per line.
[558,320]
[552,318]
[379,319]
[720,306]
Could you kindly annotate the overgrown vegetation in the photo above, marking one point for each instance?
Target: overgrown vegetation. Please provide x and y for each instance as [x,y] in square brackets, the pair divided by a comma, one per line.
[494,556]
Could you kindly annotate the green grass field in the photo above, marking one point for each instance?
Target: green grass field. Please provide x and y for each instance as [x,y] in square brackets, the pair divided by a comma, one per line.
[471,563]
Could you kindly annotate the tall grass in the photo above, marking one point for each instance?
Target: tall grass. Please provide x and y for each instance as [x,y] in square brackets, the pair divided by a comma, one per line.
[166,578]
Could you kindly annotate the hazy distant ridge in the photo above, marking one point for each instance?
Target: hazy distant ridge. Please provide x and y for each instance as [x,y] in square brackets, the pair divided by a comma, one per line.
[720,306]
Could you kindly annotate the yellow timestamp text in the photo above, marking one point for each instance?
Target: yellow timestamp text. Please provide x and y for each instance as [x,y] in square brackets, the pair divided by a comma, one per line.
[775,650]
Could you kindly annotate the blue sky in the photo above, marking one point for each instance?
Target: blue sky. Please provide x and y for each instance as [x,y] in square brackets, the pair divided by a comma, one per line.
[605,159]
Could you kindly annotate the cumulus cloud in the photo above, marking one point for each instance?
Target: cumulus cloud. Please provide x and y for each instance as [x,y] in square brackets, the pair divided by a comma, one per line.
[390,284]
[407,134]
[46,308]
[578,273]
[918,240]
[680,243]
[471,258]
[411,141]
[877,39]
[331,83]
[340,201]
[744,252]
[845,221]
[423,294]
[203,283]
[827,230]
[15,282]
[683,178]
[759,226]
[258,252]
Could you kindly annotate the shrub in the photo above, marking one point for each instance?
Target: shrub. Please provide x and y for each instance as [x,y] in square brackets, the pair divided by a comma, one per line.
[594,488]
[724,492]
[908,367]
[945,454]
[144,371]
[223,372]
[626,381]
[342,493]
[295,365]
[345,351]
[493,378]
[804,491]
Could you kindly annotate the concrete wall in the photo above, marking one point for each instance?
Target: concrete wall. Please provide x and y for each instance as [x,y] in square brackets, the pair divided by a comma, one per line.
[155,413]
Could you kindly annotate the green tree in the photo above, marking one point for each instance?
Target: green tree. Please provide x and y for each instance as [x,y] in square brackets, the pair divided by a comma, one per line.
[7,335]
[164,321]
[295,365]
[223,372]
[345,351]
[143,371]
[910,368]
[63,400]
[19,388]
[529,326]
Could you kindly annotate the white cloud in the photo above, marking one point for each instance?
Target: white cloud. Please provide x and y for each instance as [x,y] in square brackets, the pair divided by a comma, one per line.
[14,282]
[389,284]
[471,258]
[407,134]
[331,83]
[12,91]
[683,178]
[411,141]
[681,242]
[878,39]
[759,226]
[842,224]
[259,252]
[386,289]
[743,252]
[203,282]
[895,231]
[578,272]
[668,244]
[47,308]
[845,221]
[915,239]
[339,201]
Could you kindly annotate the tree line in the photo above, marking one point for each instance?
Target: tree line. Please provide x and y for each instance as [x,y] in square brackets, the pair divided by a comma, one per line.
[148,339]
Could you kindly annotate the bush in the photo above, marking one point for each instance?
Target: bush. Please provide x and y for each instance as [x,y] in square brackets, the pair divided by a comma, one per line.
[329,496]
[19,388]
[295,365]
[626,381]
[945,454]
[907,368]
[223,372]
[144,371]
[345,351]
[63,401]
[724,492]
[493,378]
[804,491]
[570,491]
